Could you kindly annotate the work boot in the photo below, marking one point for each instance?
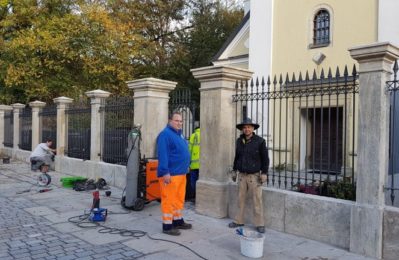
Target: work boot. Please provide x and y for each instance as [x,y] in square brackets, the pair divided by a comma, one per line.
[184,225]
[234,225]
[260,229]
[172,232]
[180,224]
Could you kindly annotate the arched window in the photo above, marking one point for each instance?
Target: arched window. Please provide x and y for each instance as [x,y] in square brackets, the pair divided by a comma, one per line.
[321,28]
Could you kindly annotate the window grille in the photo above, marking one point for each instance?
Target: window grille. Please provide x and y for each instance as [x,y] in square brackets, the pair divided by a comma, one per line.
[321,28]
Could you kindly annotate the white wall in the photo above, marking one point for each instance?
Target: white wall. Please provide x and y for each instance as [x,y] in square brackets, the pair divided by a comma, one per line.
[388,21]
[260,38]
[260,51]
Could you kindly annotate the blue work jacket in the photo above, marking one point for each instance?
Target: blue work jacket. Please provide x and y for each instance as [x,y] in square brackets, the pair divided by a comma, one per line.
[173,153]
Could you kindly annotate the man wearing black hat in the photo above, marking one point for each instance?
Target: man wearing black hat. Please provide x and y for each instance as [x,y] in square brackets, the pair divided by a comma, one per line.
[252,162]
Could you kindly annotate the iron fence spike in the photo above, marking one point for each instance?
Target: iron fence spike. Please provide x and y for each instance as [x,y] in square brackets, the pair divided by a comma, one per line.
[337,74]
[287,79]
[346,72]
[314,77]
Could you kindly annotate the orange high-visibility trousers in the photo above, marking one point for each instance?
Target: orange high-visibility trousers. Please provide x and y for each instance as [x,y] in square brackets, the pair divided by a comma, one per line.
[172,198]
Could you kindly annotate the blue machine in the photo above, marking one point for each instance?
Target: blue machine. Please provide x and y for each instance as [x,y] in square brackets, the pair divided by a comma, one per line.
[98,214]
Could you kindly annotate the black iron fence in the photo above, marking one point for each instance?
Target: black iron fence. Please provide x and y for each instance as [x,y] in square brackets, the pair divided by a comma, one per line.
[392,186]
[8,129]
[25,139]
[79,124]
[118,113]
[181,101]
[309,124]
[48,119]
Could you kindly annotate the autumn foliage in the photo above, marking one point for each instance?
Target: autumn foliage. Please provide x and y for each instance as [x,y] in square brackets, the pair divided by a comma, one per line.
[51,48]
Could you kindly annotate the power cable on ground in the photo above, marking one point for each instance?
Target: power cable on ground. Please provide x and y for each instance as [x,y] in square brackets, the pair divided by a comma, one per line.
[82,221]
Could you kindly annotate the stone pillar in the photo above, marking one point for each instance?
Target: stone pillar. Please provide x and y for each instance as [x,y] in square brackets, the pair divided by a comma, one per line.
[375,68]
[217,136]
[97,97]
[36,126]
[3,109]
[62,104]
[151,97]
[17,107]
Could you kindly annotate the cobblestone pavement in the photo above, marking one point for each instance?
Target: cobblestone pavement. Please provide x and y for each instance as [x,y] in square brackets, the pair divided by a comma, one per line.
[25,236]
[35,225]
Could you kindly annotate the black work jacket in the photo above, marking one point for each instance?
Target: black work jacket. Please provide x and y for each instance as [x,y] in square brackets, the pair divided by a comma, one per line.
[251,155]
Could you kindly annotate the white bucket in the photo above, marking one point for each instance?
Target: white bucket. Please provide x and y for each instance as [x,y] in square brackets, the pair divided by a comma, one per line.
[252,244]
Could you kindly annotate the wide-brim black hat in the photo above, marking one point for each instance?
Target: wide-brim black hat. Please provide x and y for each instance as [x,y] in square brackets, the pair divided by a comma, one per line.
[247,121]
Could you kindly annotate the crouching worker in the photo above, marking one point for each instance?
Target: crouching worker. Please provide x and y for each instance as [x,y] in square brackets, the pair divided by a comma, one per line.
[252,162]
[173,165]
[42,156]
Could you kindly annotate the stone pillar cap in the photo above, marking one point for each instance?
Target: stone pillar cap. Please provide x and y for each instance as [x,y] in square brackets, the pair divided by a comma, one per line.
[151,83]
[98,93]
[221,72]
[18,105]
[37,103]
[62,100]
[5,107]
[374,51]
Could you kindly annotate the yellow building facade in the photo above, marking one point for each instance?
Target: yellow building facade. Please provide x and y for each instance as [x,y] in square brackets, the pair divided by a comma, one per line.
[351,23]
[285,29]
[280,37]
[317,133]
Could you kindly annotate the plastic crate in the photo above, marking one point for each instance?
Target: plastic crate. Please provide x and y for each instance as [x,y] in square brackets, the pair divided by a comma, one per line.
[68,182]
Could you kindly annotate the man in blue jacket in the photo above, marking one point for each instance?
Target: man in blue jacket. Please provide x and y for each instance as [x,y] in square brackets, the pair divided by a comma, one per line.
[173,165]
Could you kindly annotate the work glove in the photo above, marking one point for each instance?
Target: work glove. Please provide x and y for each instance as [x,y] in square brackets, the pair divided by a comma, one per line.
[263,178]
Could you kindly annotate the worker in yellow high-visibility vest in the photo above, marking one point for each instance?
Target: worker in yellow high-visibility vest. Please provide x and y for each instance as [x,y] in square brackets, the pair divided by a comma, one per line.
[194,148]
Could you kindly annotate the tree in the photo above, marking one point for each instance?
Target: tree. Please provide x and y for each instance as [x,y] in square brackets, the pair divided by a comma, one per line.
[65,48]
[51,48]
[212,22]
[158,22]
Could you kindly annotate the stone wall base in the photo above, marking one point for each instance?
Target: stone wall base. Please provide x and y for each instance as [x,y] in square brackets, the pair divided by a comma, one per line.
[114,175]
[212,198]
[366,230]
[314,217]
[390,249]
[16,154]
